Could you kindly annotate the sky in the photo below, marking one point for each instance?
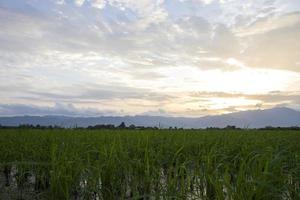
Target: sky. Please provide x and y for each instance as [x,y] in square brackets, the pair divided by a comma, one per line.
[148,57]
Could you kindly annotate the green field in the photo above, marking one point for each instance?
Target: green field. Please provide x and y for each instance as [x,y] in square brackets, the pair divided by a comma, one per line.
[149,164]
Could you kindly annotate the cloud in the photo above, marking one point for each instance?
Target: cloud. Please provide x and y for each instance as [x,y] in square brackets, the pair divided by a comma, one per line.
[164,42]
[269,23]
[276,46]
[272,98]
[98,3]
[158,112]
[56,109]
[90,93]
[79,2]
[135,54]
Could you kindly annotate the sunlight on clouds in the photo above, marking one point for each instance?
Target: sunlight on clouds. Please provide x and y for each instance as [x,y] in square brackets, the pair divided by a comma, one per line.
[234,62]
[223,103]
[245,80]
[248,80]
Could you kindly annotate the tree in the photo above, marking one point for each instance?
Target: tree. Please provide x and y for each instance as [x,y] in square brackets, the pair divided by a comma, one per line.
[122,125]
[132,126]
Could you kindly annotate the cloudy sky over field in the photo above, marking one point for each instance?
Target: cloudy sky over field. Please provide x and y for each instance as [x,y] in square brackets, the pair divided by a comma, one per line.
[157,57]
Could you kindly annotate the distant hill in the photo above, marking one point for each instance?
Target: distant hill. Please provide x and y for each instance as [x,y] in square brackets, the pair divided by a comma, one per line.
[276,117]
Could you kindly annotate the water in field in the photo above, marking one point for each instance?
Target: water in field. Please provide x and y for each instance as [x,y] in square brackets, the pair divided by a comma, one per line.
[72,164]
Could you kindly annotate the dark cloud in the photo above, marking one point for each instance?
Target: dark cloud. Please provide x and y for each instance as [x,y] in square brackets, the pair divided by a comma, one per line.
[93,93]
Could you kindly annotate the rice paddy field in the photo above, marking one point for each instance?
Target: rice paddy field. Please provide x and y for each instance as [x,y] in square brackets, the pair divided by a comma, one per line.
[149,164]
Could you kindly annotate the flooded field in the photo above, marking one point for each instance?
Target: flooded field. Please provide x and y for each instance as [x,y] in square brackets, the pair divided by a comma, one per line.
[149,164]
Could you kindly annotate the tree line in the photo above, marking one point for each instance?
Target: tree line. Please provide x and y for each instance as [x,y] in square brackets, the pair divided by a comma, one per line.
[134,127]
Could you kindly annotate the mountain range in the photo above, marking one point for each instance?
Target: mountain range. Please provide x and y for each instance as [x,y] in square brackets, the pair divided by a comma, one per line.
[276,117]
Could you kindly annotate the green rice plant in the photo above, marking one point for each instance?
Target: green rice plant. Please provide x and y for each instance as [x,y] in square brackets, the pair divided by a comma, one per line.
[149,164]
